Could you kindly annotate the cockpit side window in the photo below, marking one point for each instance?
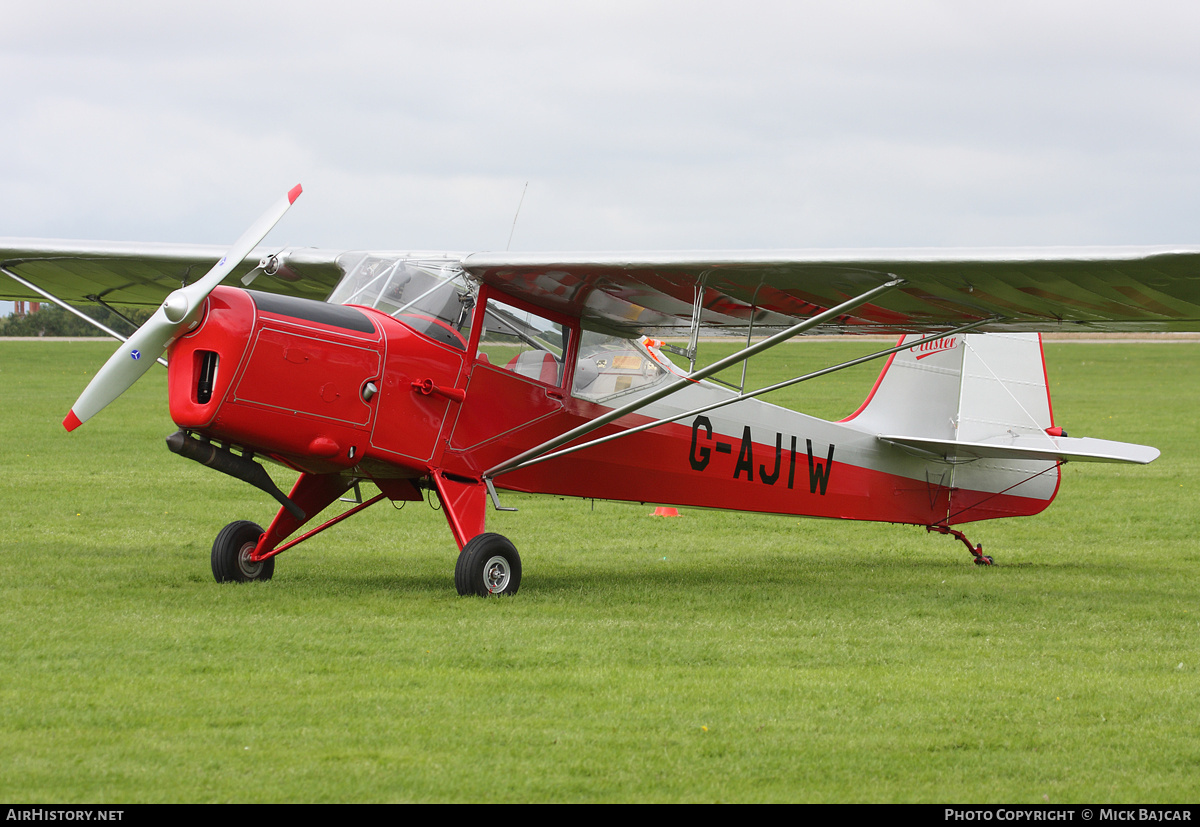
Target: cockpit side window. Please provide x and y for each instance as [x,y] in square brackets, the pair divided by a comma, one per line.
[524,342]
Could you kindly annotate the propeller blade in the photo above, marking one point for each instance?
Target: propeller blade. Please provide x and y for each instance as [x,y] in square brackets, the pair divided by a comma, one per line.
[133,358]
[138,352]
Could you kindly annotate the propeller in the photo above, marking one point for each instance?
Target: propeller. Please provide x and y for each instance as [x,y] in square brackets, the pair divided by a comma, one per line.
[173,317]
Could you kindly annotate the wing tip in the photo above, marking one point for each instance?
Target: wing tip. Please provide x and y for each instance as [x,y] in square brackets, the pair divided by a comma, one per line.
[71,422]
[294,193]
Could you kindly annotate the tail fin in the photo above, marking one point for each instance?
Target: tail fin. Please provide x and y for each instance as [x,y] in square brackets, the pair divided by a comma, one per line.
[978,395]
[977,407]
[965,387]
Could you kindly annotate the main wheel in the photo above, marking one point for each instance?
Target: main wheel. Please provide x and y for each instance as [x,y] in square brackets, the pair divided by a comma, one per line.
[488,564]
[231,551]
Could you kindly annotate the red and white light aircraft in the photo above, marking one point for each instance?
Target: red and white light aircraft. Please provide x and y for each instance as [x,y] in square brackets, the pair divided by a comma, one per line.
[462,374]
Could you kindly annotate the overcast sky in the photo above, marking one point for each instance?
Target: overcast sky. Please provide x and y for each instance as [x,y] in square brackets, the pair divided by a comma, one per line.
[640,125]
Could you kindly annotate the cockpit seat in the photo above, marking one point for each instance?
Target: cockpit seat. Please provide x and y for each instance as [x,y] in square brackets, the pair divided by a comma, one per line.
[536,364]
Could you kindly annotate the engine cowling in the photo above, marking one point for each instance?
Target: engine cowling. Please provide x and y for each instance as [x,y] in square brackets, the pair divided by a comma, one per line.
[321,387]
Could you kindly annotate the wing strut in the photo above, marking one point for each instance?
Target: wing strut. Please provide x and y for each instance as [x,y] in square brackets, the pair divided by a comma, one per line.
[734,399]
[67,307]
[703,373]
[689,352]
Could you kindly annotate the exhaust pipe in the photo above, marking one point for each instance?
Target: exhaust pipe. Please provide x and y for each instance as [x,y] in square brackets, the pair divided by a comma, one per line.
[227,462]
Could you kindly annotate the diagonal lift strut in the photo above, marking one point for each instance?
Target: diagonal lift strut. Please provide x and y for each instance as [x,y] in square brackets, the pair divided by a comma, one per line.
[537,453]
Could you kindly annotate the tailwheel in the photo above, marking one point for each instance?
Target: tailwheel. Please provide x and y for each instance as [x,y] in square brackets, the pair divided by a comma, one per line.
[980,558]
[231,552]
[488,564]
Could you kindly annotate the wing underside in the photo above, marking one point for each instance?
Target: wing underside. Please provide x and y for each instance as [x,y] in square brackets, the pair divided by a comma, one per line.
[143,274]
[629,294]
[1113,289]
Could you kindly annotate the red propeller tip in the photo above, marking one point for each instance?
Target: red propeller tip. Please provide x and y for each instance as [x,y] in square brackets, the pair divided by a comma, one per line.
[294,193]
[71,422]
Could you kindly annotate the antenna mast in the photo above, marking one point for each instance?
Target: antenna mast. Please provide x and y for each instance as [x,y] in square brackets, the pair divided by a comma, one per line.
[514,224]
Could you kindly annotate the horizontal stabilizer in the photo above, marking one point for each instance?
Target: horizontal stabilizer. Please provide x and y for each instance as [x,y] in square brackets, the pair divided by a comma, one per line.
[1031,446]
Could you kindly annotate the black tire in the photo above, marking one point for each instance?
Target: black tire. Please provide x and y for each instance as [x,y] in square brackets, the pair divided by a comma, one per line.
[231,554]
[487,565]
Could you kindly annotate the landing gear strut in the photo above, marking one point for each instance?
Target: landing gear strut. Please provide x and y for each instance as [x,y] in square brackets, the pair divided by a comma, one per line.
[981,559]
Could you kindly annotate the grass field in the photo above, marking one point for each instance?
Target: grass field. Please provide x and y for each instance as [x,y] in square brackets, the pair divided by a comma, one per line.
[714,657]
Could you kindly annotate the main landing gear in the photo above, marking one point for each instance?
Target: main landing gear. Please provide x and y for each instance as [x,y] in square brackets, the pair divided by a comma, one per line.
[231,551]
[488,564]
[981,559]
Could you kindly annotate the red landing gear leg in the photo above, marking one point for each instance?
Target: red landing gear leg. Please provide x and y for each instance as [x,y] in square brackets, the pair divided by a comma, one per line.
[981,559]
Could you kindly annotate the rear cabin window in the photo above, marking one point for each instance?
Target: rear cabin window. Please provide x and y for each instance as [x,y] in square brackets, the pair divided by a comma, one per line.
[609,368]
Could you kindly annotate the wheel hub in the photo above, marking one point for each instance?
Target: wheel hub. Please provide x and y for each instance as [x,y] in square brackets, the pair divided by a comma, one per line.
[496,574]
[249,568]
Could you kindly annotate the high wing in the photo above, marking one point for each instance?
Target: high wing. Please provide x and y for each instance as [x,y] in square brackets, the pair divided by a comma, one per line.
[1022,289]
[1017,289]
[124,273]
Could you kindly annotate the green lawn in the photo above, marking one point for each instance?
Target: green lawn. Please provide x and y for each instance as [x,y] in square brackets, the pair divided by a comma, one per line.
[714,657]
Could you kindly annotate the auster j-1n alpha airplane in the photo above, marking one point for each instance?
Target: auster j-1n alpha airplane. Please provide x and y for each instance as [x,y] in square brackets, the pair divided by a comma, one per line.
[461,374]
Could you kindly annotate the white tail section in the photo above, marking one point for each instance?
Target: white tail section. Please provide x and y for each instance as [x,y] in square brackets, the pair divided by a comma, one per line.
[918,391]
[1004,390]
[975,396]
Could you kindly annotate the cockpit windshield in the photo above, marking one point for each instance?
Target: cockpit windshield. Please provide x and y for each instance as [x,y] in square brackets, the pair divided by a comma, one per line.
[429,295]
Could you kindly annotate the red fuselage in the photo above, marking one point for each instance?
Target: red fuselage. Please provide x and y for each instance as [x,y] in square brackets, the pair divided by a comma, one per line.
[330,389]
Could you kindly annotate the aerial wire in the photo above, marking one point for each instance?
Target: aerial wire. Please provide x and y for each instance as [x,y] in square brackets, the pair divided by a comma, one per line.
[515,217]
